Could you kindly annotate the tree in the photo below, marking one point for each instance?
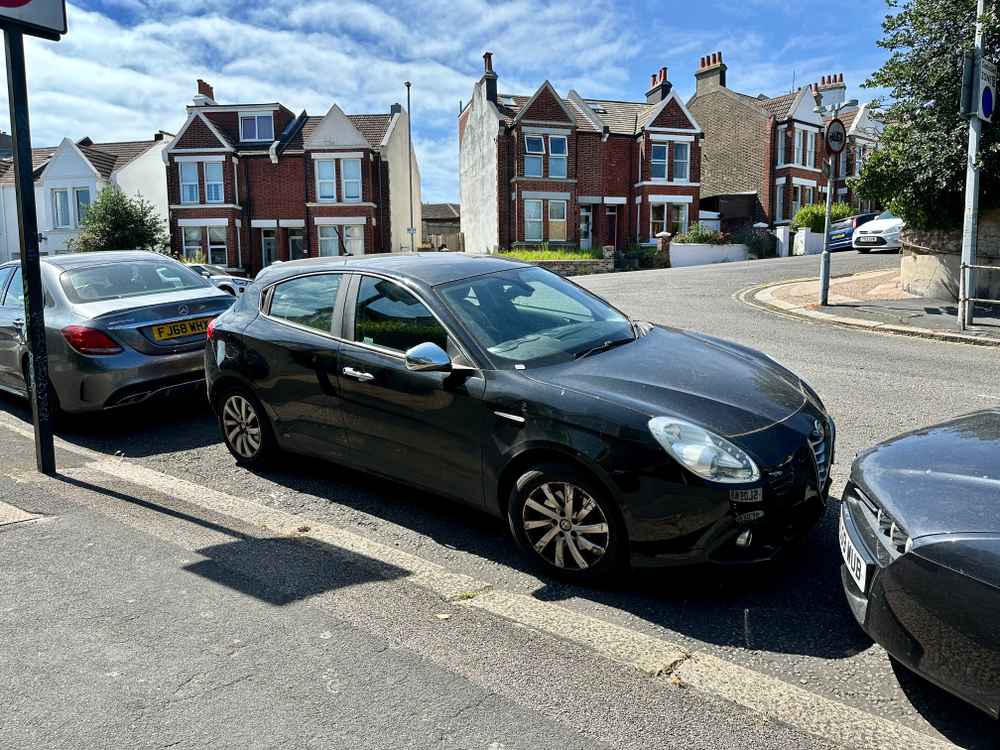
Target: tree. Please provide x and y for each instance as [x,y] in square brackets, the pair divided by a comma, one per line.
[117,222]
[918,169]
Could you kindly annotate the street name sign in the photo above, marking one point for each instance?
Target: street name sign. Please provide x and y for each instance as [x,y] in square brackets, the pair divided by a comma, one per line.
[987,90]
[44,18]
[836,136]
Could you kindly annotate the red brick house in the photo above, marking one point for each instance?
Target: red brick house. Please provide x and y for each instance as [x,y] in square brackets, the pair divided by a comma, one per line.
[250,184]
[556,169]
[763,156]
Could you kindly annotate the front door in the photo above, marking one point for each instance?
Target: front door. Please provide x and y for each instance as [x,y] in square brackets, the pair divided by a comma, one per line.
[586,227]
[295,358]
[11,327]
[268,247]
[612,238]
[420,427]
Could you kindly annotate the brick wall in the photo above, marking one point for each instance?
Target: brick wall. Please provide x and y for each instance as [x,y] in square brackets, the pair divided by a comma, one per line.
[278,190]
[198,135]
[546,108]
[672,116]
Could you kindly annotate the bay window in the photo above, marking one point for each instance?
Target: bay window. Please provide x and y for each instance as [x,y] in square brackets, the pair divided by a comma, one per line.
[533,228]
[217,251]
[657,219]
[82,196]
[350,179]
[658,162]
[799,147]
[213,182]
[678,218]
[61,218]
[189,181]
[682,162]
[326,180]
[557,156]
[810,149]
[257,127]
[193,249]
[557,220]
[354,239]
[534,153]
[329,241]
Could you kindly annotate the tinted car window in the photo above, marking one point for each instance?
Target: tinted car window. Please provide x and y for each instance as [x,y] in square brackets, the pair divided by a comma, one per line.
[15,292]
[308,301]
[128,279]
[388,315]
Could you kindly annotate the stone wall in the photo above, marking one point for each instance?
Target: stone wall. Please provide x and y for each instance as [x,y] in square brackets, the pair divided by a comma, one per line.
[578,267]
[930,261]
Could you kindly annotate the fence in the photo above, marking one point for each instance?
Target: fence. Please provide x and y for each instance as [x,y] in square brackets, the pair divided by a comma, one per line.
[966,304]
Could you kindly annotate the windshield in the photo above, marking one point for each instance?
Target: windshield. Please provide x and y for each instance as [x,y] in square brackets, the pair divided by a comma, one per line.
[530,317]
[128,279]
[213,270]
[887,215]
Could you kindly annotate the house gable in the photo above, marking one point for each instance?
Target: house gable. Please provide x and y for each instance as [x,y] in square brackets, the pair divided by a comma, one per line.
[198,133]
[671,113]
[335,130]
[69,162]
[546,106]
[802,109]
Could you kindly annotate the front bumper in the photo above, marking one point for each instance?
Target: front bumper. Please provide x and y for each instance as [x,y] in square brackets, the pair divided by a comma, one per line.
[907,607]
[720,525]
[87,384]
[876,242]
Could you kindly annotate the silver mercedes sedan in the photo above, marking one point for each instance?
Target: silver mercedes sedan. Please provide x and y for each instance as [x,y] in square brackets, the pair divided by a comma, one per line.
[121,328]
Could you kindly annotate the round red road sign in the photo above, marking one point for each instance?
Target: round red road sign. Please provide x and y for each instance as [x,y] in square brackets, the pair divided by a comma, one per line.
[836,136]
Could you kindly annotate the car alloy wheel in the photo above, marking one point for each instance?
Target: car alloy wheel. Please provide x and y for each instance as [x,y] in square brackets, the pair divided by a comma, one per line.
[242,426]
[565,526]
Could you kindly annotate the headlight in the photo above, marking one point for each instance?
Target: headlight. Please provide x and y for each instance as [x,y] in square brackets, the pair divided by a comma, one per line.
[703,453]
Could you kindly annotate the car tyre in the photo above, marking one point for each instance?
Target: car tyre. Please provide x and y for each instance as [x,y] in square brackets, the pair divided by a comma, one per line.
[246,429]
[587,545]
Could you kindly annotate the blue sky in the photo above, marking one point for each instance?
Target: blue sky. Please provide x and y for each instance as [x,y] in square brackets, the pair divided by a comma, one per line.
[128,67]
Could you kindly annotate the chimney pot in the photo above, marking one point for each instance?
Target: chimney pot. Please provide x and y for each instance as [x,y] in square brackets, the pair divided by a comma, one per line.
[720,55]
[840,77]
[663,74]
[487,62]
[652,80]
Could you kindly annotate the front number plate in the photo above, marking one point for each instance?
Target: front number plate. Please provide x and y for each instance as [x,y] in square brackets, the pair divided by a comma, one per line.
[180,329]
[852,558]
[754,495]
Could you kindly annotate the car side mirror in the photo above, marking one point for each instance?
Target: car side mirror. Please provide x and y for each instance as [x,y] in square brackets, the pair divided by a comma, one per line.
[427,357]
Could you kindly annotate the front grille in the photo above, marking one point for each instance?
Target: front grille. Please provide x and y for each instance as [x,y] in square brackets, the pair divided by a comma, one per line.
[819,441]
[883,536]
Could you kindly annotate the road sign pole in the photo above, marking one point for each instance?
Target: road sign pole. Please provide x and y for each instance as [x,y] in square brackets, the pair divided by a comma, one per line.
[34,301]
[824,263]
[970,226]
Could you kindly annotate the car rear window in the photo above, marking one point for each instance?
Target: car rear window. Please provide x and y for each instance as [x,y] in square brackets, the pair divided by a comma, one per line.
[128,279]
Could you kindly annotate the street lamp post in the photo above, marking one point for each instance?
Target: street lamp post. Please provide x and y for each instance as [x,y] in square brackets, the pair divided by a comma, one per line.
[409,150]
[970,218]
[824,262]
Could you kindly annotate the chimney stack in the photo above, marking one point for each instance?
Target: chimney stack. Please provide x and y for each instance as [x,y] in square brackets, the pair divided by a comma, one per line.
[831,90]
[659,87]
[396,109]
[205,95]
[489,79]
[711,75]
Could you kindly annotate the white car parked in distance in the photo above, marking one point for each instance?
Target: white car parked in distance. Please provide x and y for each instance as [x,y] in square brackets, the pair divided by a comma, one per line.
[882,233]
[221,278]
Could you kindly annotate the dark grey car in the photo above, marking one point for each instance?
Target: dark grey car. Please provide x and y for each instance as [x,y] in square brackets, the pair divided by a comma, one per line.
[920,538]
[121,327]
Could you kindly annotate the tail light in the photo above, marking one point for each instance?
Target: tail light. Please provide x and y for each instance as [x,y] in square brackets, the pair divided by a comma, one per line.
[90,341]
[210,332]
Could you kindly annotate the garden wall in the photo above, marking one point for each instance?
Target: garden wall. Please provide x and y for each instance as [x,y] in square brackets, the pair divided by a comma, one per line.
[578,267]
[684,254]
[929,261]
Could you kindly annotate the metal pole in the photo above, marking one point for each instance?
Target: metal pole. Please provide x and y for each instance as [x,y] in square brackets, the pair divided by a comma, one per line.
[824,260]
[971,221]
[409,150]
[34,300]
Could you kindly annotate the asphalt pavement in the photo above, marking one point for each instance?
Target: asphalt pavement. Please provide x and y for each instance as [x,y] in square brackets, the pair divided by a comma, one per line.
[785,621]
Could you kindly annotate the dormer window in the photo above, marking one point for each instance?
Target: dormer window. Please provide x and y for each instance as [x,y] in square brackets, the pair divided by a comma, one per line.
[257,126]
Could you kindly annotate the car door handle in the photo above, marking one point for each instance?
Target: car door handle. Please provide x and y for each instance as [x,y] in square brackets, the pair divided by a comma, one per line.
[361,377]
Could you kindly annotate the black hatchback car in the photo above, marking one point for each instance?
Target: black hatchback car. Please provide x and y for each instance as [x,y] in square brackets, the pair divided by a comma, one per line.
[920,538]
[507,387]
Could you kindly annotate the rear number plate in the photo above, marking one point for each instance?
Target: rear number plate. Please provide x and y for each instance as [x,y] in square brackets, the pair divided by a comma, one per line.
[754,495]
[856,566]
[180,329]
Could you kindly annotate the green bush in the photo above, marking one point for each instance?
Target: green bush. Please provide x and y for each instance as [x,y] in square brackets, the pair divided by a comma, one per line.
[760,242]
[813,217]
[699,235]
[544,252]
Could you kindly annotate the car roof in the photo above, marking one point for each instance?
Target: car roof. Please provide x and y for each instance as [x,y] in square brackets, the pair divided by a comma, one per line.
[430,269]
[84,260]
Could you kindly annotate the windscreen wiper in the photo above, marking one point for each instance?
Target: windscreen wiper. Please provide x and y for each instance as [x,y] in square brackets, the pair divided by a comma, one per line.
[602,347]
